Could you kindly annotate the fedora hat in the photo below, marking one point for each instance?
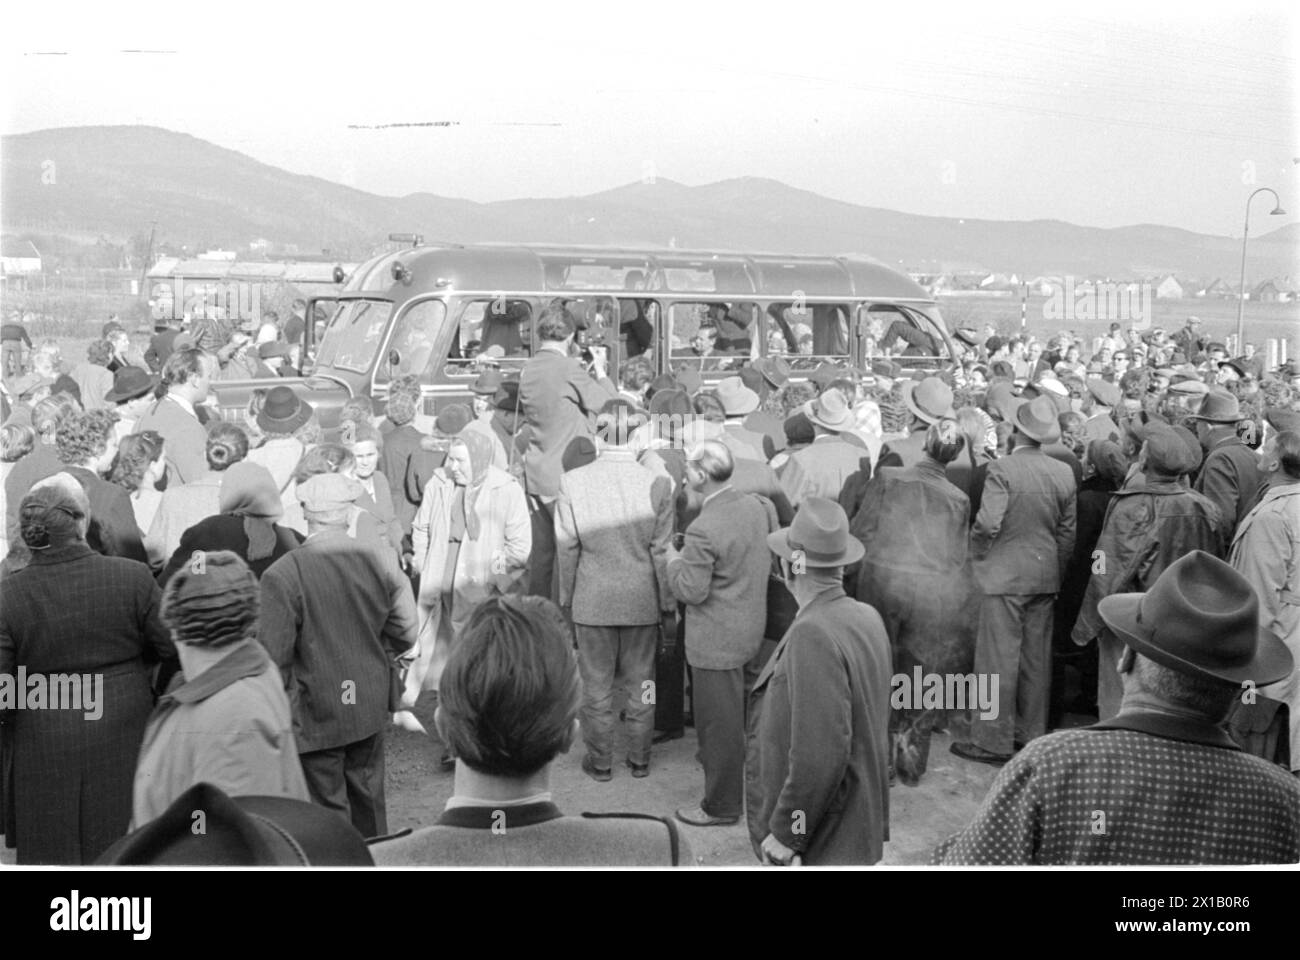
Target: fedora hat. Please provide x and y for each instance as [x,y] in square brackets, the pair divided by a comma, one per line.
[1001,400]
[830,410]
[1037,420]
[737,399]
[1218,406]
[1105,392]
[129,383]
[283,412]
[1238,365]
[930,399]
[242,832]
[487,383]
[1201,618]
[775,370]
[819,536]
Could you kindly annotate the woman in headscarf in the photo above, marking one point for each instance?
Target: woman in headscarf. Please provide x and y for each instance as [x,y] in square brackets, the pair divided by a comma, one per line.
[93,620]
[250,506]
[472,537]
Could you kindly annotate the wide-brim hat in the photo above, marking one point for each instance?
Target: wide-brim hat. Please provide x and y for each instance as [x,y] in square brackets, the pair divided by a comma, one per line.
[1201,618]
[736,398]
[241,832]
[1235,365]
[1218,406]
[929,399]
[1037,420]
[818,537]
[487,383]
[129,383]
[283,412]
[775,370]
[1105,392]
[831,410]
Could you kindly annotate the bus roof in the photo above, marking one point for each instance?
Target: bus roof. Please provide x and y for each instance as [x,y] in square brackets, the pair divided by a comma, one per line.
[560,270]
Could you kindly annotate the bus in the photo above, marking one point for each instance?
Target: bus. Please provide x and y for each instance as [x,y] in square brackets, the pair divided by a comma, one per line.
[437,311]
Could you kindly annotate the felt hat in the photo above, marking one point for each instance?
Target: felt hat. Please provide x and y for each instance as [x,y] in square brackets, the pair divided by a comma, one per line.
[283,412]
[930,399]
[129,383]
[1201,618]
[775,370]
[1037,420]
[830,410]
[452,419]
[818,537]
[487,383]
[1105,392]
[1218,406]
[737,399]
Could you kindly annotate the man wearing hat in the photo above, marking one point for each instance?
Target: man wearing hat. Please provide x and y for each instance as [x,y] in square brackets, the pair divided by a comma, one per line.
[1230,476]
[1021,542]
[1162,782]
[130,396]
[739,402]
[1266,551]
[1189,341]
[1102,398]
[817,763]
[338,618]
[820,469]
[774,373]
[929,402]
[508,425]
[1151,522]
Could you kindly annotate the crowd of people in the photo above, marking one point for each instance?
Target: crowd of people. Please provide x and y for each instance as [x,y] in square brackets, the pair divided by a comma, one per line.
[1113,537]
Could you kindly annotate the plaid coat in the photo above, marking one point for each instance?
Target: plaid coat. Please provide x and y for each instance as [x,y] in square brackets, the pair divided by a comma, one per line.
[74,611]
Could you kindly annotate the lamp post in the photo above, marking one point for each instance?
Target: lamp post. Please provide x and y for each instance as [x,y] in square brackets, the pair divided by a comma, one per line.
[1277,211]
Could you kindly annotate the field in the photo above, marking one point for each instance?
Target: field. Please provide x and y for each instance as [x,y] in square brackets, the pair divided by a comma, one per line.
[1218,318]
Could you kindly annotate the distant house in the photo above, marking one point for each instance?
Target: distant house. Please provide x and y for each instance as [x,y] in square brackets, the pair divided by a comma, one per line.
[19,258]
[227,255]
[1274,291]
[1217,290]
[1169,288]
[1044,286]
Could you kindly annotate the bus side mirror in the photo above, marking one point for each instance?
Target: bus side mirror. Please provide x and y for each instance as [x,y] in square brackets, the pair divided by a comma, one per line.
[339,275]
[394,359]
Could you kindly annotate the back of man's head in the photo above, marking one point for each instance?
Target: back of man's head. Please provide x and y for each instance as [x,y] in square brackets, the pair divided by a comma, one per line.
[1207,697]
[556,324]
[510,693]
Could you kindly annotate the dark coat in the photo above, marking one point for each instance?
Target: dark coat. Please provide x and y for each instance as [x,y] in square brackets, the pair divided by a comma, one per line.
[113,530]
[226,532]
[557,397]
[337,612]
[1094,498]
[967,473]
[906,452]
[817,752]
[1023,536]
[1230,478]
[74,611]
[400,445]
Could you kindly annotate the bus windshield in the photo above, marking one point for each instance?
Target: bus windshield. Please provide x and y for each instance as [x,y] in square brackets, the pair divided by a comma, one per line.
[354,334]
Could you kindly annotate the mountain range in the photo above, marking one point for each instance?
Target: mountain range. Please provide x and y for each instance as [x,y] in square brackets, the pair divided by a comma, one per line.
[114,181]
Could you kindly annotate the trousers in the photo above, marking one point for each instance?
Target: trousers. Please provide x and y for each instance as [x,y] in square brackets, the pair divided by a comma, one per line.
[1014,643]
[541,561]
[350,779]
[718,701]
[617,660]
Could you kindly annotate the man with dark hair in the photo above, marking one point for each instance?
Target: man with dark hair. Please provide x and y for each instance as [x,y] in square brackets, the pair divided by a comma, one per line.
[558,397]
[1021,543]
[1230,476]
[512,673]
[721,576]
[1266,551]
[338,618]
[187,377]
[1151,522]
[1162,783]
[613,523]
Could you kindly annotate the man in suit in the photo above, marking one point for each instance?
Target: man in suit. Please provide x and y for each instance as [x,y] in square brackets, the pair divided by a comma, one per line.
[337,618]
[721,576]
[1230,476]
[816,769]
[929,401]
[512,674]
[87,446]
[1021,542]
[613,525]
[188,375]
[821,468]
[558,397]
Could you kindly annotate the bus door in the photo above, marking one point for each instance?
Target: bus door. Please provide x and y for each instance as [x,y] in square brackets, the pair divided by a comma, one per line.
[487,332]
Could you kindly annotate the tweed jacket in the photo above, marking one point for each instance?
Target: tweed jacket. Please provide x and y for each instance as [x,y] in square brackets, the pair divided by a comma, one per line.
[721,576]
[74,611]
[181,508]
[536,835]
[558,397]
[1149,524]
[613,524]
[1230,477]
[230,726]
[185,440]
[1023,536]
[821,469]
[1266,551]
[113,531]
[336,616]
[817,752]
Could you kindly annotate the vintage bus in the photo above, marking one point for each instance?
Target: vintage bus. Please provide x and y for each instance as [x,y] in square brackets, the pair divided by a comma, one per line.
[432,310]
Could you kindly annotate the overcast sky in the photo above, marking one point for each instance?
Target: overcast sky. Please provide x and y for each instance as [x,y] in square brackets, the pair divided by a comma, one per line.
[1097,113]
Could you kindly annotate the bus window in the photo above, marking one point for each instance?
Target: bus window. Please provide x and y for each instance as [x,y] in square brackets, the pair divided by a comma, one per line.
[636,327]
[900,331]
[414,338]
[501,327]
[715,334]
[807,333]
[353,335]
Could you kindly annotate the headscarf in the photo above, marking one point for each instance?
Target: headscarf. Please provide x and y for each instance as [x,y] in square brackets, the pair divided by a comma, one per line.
[480,458]
[248,491]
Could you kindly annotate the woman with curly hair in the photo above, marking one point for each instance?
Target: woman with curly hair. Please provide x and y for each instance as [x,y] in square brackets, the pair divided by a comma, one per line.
[138,468]
[87,445]
[93,377]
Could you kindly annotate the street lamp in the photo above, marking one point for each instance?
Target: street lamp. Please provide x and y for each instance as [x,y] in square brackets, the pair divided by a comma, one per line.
[1277,211]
